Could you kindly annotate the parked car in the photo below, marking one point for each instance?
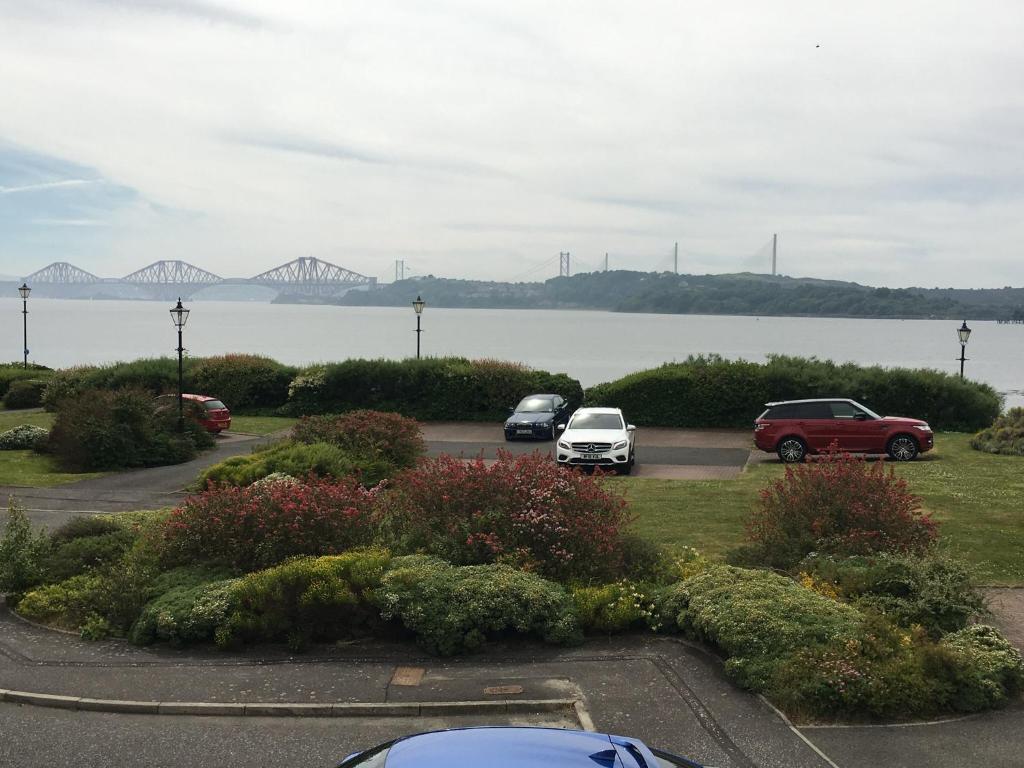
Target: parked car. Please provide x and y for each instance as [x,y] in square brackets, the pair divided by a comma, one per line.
[794,428]
[598,437]
[210,412]
[515,747]
[536,417]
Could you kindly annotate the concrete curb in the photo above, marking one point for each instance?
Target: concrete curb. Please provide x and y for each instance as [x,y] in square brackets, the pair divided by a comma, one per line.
[276,709]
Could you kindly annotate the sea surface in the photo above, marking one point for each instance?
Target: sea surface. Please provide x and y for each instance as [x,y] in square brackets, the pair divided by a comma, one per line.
[590,346]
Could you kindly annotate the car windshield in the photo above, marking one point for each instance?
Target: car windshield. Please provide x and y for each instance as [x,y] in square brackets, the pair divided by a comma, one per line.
[596,421]
[535,405]
[214,405]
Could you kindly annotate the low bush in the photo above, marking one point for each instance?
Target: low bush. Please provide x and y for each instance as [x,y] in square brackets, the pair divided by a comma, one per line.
[522,510]
[306,599]
[615,607]
[12,372]
[298,460]
[454,609]
[82,526]
[22,438]
[186,613]
[71,557]
[1005,436]
[25,393]
[67,382]
[243,381]
[989,671]
[259,526]
[933,591]
[67,604]
[840,505]
[713,392]
[22,552]
[104,430]
[430,389]
[370,435]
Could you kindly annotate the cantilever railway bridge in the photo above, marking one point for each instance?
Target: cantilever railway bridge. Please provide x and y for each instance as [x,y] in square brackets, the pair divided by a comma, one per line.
[305,276]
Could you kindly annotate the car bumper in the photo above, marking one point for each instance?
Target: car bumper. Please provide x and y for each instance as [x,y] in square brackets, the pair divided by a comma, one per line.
[618,458]
[529,432]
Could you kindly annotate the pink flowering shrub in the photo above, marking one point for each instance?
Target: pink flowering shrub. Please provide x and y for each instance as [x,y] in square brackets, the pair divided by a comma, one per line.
[841,505]
[520,510]
[372,435]
[262,524]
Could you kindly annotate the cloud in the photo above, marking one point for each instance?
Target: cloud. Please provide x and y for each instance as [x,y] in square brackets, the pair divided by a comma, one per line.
[41,186]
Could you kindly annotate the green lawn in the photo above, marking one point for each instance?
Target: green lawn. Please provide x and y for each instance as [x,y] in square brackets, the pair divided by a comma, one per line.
[28,468]
[260,425]
[978,498]
[35,417]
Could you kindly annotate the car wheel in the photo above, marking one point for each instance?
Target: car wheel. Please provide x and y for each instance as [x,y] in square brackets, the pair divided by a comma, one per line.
[791,450]
[902,448]
[508,438]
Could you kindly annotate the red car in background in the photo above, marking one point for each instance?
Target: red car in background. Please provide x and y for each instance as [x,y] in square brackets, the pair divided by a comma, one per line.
[794,428]
[210,412]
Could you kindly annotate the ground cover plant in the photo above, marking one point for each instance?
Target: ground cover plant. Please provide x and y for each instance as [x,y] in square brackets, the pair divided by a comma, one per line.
[1005,436]
[22,437]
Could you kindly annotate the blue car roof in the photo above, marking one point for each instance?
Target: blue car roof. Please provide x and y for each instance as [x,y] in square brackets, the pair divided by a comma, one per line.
[504,748]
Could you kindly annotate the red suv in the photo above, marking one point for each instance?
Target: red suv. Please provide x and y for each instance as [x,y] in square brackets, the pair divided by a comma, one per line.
[795,428]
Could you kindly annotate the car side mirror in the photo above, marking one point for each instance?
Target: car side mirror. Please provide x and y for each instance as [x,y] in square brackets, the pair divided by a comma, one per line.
[560,427]
[511,409]
[630,428]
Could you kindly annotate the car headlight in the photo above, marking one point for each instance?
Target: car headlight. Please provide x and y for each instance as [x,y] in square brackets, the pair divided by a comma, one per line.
[620,445]
[923,427]
[563,444]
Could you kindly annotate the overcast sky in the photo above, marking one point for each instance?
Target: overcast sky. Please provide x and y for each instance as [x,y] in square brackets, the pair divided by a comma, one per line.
[881,140]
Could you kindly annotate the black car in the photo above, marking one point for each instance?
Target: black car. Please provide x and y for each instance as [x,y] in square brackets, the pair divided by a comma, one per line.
[536,416]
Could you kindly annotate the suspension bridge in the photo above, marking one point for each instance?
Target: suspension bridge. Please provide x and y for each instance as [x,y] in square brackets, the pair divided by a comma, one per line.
[170,279]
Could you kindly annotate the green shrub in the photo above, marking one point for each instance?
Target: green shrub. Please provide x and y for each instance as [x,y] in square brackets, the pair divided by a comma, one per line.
[187,613]
[306,599]
[21,552]
[82,526]
[22,438]
[157,375]
[990,672]
[243,381]
[1005,436]
[102,430]
[453,609]
[75,556]
[67,382]
[615,607]
[428,389]
[370,435]
[933,591]
[12,372]
[713,392]
[67,604]
[25,393]
[296,460]
[839,505]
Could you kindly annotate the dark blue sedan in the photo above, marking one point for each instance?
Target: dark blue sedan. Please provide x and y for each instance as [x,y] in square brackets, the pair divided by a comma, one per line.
[536,417]
[496,747]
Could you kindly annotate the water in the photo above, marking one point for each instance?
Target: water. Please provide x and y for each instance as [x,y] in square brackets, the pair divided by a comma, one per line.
[591,346]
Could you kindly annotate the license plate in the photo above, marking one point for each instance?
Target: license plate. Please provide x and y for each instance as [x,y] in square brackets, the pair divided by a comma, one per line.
[524,431]
[590,456]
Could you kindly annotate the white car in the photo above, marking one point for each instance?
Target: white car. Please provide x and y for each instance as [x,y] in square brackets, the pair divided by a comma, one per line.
[598,437]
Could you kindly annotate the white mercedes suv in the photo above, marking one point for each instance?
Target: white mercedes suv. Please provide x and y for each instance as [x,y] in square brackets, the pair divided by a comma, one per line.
[598,437]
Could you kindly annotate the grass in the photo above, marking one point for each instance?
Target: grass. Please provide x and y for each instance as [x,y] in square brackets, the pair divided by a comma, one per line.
[977,497]
[33,416]
[260,425]
[28,468]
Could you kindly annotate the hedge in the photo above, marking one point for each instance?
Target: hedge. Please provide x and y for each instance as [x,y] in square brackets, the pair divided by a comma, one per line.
[12,372]
[713,392]
[1005,436]
[431,389]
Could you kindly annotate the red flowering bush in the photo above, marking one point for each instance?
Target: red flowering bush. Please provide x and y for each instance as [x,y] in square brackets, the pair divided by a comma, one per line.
[839,505]
[262,524]
[372,435]
[520,510]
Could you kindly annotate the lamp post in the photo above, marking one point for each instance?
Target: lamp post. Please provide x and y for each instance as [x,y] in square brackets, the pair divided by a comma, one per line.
[179,316]
[418,306]
[963,333]
[25,291]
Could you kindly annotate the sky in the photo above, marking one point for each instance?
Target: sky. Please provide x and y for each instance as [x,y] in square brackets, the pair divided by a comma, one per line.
[475,139]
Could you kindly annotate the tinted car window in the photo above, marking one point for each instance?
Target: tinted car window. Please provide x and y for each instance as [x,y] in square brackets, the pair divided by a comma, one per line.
[535,405]
[213,405]
[844,410]
[596,421]
[813,411]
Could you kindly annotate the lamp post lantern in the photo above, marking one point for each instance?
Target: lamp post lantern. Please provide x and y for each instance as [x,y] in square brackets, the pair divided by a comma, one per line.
[963,333]
[24,291]
[418,306]
[179,316]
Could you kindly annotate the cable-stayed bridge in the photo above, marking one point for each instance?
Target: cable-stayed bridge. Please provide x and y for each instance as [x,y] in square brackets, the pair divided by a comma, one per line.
[170,279]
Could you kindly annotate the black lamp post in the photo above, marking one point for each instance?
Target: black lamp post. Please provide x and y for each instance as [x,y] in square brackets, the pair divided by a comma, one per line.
[418,306]
[179,316]
[963,333]
[25,291]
